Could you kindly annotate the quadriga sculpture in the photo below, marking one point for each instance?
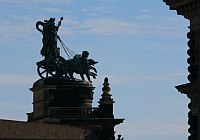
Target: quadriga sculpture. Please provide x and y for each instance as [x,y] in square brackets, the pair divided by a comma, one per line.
[55,65]
[59,67]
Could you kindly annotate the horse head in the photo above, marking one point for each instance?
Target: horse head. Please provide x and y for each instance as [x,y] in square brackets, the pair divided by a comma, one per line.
[92,62]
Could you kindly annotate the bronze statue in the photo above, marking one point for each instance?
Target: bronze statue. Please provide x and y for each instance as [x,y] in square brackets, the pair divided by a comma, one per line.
[55,65]
[50,37]
[80,64]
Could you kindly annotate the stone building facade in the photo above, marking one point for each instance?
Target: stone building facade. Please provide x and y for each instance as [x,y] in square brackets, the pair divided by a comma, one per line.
[65,102]
[62,110]
[61,101]
[18,130]
[190,9]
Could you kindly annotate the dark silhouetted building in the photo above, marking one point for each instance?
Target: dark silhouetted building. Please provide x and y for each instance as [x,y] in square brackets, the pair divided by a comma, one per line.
[62,109]
[190,9]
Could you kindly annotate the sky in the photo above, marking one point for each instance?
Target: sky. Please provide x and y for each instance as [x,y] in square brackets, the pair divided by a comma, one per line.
[140,46]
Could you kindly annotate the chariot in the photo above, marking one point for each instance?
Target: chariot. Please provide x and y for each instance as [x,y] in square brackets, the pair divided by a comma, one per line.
[50,67]
[58,66]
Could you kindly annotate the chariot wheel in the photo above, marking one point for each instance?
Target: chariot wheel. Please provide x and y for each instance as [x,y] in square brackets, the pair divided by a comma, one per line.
[50,67]
[46,68]
[43,72]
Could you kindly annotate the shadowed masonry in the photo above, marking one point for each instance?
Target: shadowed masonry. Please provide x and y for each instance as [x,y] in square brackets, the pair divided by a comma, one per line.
[190,9]
[17,130]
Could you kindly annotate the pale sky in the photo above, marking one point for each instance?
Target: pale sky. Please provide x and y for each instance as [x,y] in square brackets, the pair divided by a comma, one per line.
[140,46]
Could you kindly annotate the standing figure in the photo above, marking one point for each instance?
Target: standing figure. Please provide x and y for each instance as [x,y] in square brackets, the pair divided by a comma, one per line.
[49,40]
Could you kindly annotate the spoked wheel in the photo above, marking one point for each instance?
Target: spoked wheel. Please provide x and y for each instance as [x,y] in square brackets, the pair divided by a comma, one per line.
[51,67]
[42,71]
[46,68]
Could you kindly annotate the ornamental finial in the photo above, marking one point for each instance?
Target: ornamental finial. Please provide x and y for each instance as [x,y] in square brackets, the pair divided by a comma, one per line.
[106,89]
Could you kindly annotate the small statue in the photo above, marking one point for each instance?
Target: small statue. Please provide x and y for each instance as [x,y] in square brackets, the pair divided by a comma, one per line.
[50,37]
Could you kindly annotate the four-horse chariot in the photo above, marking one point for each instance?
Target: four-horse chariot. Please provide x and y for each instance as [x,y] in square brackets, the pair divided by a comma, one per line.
[54,65]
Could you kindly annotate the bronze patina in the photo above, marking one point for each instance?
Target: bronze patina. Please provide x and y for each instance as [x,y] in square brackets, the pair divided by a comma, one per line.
[54,65]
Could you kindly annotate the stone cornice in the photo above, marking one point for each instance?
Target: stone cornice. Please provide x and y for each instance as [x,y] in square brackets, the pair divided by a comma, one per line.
[174,4]
[187,8]
[190,89]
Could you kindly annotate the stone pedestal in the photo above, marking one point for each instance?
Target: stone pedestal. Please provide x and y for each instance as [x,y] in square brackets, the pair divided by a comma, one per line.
[60,98]
[66,102]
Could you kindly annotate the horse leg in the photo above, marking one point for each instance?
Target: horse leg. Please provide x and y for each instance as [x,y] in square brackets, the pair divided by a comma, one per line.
[93,68]
[88,77]
[93,74]
[71,75]
[66,69]
[82,77]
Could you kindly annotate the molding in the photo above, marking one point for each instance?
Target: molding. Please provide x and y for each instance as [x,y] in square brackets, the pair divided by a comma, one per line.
[187,8]
[190,89]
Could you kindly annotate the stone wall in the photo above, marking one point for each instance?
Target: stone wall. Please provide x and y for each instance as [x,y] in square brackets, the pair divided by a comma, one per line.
[38,131]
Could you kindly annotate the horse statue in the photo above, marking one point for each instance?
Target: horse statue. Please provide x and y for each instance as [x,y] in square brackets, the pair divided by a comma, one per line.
[80,65]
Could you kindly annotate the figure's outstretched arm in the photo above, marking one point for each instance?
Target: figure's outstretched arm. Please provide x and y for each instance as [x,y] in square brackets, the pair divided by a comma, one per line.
[59,23]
